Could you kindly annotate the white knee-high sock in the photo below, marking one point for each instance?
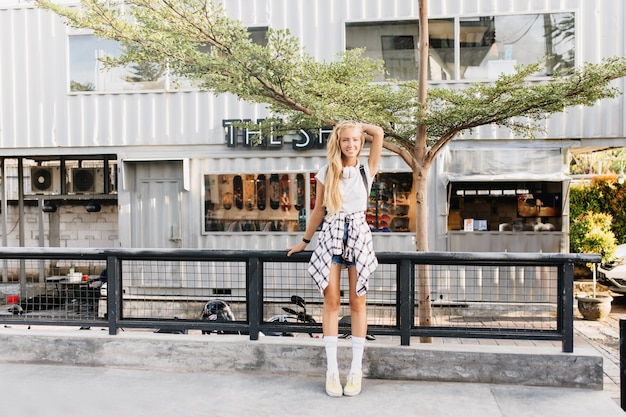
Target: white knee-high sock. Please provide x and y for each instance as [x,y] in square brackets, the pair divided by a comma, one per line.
[358,346]
[330,342]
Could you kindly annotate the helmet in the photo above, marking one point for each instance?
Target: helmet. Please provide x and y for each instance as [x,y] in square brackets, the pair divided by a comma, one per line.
[217,310]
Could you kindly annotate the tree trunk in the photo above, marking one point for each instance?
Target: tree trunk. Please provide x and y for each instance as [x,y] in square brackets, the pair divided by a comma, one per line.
[424,310]
[420,171]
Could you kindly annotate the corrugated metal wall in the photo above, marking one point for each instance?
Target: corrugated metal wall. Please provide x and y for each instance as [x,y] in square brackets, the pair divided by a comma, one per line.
[38,116]
[37,112]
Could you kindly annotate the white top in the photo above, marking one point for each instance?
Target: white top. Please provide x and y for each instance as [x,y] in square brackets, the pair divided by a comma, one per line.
[353,190]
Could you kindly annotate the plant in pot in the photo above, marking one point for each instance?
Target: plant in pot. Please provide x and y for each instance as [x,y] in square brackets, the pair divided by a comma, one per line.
[591,233]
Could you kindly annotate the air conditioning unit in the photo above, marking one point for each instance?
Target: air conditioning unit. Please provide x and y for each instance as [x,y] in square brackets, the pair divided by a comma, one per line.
[45,180]
[86,181]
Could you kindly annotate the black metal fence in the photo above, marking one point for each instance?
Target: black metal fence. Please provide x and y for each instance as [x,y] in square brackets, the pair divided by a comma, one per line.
[622,363]
[474,295]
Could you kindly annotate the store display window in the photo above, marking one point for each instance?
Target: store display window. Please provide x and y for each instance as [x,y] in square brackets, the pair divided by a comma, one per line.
[505,206]
[254,203]
[389,208]
[281,202]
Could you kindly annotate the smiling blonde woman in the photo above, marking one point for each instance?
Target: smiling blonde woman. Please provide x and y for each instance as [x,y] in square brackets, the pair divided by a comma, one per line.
[345,241]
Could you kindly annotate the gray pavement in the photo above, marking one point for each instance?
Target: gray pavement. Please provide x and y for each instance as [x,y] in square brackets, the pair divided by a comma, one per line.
[67,391]
[147,374]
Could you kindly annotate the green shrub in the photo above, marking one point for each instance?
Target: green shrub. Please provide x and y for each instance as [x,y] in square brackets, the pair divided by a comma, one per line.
[603,195]
[591,233]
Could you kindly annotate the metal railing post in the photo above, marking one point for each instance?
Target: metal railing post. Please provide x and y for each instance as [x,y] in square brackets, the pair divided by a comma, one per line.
[405,300]
[622,362]
[565,320]
[114,293]
[254,296]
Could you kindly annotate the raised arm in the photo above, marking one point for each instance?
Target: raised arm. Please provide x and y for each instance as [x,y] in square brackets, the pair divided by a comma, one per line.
[376,145]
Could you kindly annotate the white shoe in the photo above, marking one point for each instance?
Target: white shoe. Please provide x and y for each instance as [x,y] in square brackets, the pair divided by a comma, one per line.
[333,384]
[353,384]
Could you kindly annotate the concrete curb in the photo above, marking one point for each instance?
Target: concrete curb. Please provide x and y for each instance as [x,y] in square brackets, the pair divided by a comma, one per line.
[512,365]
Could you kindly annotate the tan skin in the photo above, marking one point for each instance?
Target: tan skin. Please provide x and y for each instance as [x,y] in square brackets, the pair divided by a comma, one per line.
[350,143]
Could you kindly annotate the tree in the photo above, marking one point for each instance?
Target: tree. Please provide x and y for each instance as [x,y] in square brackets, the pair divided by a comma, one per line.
[76,86]
[308,93]
[145,71]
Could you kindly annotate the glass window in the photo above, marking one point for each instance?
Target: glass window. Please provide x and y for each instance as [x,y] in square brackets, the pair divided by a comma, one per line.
[400,56]
[389,206]
[254,202]
[278,202]
[87,72]
[441,51]
[396,44]
[258,35]
[503,206]
[491,46]
[487,45]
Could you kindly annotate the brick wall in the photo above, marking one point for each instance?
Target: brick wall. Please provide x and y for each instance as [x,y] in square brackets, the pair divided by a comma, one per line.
[69,226]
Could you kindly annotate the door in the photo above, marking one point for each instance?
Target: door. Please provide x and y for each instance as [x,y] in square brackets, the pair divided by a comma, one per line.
[156,205]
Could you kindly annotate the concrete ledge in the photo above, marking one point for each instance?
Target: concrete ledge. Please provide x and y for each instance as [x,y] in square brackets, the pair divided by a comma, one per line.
[226,353]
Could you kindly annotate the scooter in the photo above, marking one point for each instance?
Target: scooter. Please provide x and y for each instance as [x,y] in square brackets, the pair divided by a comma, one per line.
[292,316]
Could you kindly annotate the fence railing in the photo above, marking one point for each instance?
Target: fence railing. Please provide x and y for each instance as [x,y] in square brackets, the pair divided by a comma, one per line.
[474,295]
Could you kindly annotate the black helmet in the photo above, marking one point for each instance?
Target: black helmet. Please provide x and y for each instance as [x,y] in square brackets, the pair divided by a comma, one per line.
[217,310]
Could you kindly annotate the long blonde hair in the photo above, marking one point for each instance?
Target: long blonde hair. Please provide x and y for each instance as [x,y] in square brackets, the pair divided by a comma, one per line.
[333,200]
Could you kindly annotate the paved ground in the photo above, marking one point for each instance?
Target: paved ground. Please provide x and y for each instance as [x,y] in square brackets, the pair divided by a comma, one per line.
[604,337]
[67,391]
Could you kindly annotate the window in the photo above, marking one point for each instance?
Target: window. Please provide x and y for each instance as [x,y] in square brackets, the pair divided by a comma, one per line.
[389,208]
[487,46]
[258,35]
[87,73]
[271,202]
[506,205]
[393,42]
[255,202]
[511,40]
[399,54]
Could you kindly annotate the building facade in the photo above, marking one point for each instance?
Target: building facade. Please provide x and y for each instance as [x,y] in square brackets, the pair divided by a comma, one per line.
[159,164]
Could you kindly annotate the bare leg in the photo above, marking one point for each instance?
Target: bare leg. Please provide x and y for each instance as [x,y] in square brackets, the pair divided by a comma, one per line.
[358,308]
[332,301]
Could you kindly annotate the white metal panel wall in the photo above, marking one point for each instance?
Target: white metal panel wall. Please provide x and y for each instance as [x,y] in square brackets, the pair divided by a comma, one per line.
[37,112]
[282,240]
[32,77]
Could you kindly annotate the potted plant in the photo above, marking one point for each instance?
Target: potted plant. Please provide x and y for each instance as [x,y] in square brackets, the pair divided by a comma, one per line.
[591,233]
